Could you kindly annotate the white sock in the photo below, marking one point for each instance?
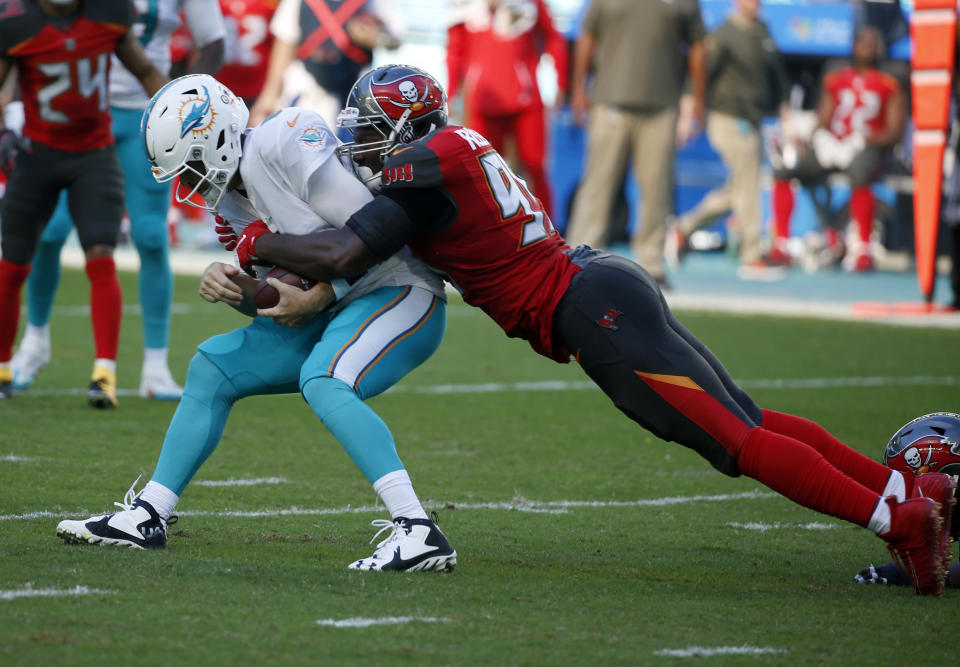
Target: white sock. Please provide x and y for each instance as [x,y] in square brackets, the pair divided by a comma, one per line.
[880,519]
[396,491]
[160,497]
[155,356]
[42,332]
[109,364]
[896,486]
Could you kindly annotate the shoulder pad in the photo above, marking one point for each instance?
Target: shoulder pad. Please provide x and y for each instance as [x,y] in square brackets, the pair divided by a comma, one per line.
[412,166]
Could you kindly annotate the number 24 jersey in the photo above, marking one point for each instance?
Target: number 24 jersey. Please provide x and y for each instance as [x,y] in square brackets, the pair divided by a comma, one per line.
[63,69]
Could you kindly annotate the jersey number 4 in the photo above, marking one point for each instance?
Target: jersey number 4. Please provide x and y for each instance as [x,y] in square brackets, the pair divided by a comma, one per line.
[514,198]
[88,82]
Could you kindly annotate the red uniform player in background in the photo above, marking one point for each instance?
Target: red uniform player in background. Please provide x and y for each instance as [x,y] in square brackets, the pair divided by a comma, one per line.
[862,115]
[61,50]
[493,49]
[248,45]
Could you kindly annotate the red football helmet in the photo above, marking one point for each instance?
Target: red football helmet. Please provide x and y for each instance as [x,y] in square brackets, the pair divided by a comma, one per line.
[930,443]
[390,105]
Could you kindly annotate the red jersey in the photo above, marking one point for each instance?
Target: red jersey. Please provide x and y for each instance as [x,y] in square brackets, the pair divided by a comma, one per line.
[248,45]
[501,251]
[493,52]
[860,100]
[63,68]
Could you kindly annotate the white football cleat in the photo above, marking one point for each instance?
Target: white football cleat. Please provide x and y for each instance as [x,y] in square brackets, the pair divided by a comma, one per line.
[138,526]
[32,355]
[156,382]
[414,545]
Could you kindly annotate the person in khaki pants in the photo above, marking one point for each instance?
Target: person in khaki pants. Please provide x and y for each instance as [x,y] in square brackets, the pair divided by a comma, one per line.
[635,48]
[745,81]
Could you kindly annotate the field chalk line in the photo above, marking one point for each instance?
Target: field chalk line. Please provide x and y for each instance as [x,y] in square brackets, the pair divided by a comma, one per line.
[30,592]
[706,652]
[585,385]
[549,506]
[386,620]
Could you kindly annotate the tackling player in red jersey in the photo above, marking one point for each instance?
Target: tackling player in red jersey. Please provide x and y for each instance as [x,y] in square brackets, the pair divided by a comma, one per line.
[448,195]
[61,49]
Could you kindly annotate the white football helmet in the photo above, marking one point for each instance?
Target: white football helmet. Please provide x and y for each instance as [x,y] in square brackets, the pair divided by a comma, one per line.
[194,124]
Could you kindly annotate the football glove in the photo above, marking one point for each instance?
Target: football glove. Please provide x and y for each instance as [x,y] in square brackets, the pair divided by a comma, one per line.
[869,575]
[246,254]
[225,233]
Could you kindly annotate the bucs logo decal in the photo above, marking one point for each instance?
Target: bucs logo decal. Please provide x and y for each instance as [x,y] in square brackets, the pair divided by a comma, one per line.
[609,318]
[413,92]
[921,455]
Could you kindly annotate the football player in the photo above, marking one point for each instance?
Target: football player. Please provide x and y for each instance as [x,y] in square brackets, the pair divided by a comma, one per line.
[373,329]
[862,115]
[450,197]
[62,49]
[930,443]
[147,202]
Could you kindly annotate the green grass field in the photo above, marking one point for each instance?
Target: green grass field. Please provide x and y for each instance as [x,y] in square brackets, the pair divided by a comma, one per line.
[568,553]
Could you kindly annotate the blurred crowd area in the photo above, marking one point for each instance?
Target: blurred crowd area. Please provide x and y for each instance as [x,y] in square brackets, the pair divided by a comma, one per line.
[810,37]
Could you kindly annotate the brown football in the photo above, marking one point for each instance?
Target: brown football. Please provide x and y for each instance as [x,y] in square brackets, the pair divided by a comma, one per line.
[267,295]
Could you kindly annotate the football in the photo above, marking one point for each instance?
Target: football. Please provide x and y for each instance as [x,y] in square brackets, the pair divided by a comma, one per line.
[267,295]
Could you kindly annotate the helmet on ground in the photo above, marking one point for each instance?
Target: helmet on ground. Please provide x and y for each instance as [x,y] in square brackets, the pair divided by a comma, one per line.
[930,443]
[192,128]
[390,105]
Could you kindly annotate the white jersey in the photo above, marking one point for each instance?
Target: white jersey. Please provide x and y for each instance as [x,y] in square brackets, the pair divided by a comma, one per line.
[279,158]
[156,22]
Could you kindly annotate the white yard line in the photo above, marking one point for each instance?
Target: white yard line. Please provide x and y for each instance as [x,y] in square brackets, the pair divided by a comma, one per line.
[764,527]
[241,482]
[547,506]
[30,592]
[706,652]
[386,620]
[587,385]
[11,458]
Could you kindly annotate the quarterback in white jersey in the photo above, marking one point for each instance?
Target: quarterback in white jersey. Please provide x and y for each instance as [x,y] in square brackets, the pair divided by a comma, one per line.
[146,201]
[285,173]
[294,182]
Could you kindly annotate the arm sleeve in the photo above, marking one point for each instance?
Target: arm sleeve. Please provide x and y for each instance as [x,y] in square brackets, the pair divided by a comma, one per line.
[555,45]
[334,193]
[205,21]
[692,28]
[285,24]
[456,42]
[388,222]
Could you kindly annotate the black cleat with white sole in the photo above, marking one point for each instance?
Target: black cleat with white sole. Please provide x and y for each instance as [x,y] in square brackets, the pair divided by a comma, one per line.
[138,526]
[414,545]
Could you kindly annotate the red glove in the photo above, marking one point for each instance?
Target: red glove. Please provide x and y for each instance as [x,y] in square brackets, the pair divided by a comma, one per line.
[225,233]
[245,245]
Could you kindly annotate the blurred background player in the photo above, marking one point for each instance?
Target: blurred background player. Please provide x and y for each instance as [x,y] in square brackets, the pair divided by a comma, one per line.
[861,115]
[493,49]
[927,444]
[61,49]
[746,81]
[637,50]
[146,200]
[320,47]
[383,325]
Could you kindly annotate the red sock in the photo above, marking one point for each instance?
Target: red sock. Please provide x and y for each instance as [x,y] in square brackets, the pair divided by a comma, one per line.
[12,277]
[861,210]
[800,473]
[782,209]
[106,304]
[863,469]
